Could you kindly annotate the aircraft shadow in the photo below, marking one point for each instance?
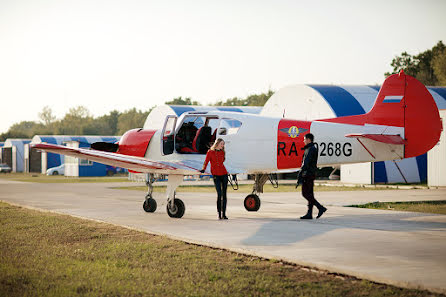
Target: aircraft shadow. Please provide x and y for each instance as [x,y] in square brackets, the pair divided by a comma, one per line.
[286,231]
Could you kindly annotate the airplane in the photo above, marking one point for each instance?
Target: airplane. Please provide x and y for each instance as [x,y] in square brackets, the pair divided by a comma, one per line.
[404,122]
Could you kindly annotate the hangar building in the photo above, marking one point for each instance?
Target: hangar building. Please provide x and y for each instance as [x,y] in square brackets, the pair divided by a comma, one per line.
[13,153]
[41,161]
[436,159]
[311,102]
[1,145]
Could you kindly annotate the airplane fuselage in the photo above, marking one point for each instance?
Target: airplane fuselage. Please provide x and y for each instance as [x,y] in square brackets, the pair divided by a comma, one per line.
[266,144]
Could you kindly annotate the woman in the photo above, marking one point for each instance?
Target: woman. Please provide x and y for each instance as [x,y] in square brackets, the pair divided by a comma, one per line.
[216,155]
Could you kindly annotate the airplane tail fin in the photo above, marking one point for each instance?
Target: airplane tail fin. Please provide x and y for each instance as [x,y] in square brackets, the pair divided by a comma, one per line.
[405,102]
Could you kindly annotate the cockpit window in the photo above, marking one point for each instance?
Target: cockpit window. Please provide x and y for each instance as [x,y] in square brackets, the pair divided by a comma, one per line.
[229,126]
[196,134]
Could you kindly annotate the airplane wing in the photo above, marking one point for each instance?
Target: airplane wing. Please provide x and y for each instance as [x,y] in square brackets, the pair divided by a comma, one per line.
[389,139]
[139,164]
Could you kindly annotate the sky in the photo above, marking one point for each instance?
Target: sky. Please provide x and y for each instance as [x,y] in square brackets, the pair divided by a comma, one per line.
[117,54]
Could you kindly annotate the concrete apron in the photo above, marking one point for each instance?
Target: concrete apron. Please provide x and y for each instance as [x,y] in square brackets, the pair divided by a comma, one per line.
[399,248]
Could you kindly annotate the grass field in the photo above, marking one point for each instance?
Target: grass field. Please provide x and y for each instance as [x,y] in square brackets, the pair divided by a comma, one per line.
[46,254]
[438,207]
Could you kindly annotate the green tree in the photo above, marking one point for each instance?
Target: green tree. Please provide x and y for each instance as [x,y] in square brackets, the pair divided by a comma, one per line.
[24,129]
[48,121]
[427,66]
[46,116]
[74,122]
[251,100]
[181,101]
[104,125]
[439,65]
[131,119]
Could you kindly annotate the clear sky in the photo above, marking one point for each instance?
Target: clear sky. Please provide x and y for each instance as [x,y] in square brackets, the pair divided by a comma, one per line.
[117,54]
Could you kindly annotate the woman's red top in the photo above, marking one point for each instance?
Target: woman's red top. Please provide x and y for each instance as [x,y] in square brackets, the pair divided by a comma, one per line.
[216,158]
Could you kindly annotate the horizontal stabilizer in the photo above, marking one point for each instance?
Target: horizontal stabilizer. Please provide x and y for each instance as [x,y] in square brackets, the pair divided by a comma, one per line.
[390,139]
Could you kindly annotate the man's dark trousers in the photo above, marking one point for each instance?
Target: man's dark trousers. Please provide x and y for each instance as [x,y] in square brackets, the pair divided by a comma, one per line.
[308,191]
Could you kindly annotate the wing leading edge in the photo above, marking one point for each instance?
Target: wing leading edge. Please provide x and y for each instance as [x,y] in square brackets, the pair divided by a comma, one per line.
[138,164]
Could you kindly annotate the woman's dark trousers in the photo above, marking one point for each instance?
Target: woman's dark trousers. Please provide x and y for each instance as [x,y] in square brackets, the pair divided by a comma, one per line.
[221,185]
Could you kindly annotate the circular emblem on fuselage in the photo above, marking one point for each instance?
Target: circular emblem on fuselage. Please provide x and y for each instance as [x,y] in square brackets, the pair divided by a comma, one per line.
[293,132]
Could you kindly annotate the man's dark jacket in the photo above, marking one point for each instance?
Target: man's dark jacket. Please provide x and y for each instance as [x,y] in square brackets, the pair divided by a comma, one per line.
[309,160]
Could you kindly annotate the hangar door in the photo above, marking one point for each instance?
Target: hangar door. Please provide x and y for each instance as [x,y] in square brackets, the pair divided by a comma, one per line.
[35,161]
[7,156]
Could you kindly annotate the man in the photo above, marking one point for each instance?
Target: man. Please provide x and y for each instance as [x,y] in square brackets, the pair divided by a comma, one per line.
[307,176]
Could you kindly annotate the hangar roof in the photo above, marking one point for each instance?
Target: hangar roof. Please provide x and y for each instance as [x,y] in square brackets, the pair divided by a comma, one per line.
[19,142]
[310,102]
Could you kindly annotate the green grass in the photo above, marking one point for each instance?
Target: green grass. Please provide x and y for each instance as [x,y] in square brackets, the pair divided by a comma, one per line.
[46,254]
[42,178]
[438,207]
[248,188]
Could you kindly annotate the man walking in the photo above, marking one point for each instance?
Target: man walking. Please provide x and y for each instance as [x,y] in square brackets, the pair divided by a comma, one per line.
[307,175]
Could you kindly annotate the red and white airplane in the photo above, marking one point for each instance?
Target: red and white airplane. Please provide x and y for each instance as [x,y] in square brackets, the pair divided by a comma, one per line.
[403,123]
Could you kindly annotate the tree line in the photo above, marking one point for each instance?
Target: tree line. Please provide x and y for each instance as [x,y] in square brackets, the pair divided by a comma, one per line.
[79,121]
[429,67]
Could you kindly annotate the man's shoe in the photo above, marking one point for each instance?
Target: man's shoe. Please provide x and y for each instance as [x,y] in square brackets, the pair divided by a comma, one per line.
[321,212]
[225,217]
[308,216]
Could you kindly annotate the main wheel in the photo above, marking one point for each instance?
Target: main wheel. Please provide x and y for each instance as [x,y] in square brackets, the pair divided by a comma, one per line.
[252,202]
[177,211]
[149,205]
[55,173]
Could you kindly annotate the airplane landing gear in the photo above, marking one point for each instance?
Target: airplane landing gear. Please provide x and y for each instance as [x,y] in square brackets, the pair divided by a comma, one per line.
[252,201]
[149,204]
[177,209]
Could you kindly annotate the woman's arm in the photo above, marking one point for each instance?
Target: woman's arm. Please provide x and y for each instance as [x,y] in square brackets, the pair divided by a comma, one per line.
[208,158]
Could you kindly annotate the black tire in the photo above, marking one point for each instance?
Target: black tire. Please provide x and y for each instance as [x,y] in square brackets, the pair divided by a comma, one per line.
[149,205]
[178,210]
[55,173]
[252,202]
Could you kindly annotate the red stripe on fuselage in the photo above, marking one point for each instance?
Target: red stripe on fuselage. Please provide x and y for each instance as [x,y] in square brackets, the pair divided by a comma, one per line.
[290,136]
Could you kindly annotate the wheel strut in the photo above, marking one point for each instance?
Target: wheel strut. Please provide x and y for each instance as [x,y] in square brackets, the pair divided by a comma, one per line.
[149,204]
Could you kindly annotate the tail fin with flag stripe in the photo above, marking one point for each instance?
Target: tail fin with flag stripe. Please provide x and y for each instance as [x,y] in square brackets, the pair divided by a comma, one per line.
[403,102]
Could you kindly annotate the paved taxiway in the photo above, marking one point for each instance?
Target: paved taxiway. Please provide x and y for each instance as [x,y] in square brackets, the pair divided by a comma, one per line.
[401,248]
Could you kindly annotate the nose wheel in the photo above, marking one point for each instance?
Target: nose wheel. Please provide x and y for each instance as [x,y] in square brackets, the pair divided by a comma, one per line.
[252,202]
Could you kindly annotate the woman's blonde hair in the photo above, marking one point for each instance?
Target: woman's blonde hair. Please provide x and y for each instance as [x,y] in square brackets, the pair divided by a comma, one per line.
[216,143]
